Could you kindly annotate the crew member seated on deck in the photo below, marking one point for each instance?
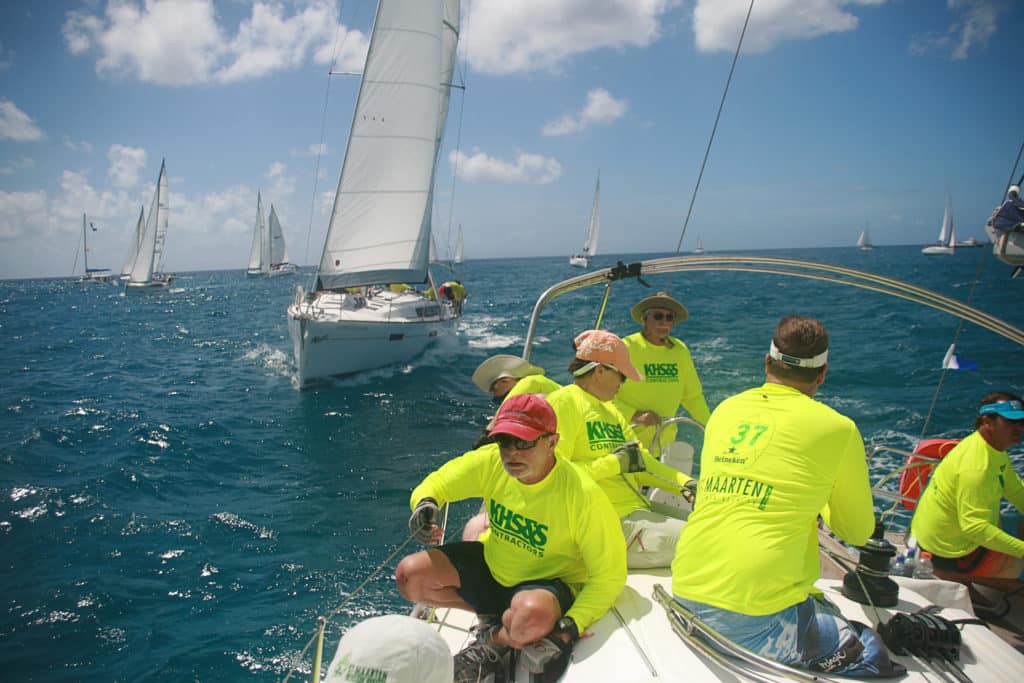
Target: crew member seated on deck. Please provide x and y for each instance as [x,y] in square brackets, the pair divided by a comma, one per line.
[773,460]
[596,436]
[957,518]
[552,563]
[503,376]
[670,378]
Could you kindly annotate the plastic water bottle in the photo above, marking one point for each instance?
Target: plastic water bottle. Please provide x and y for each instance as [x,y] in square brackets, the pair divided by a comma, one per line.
[896,567]
[923,567]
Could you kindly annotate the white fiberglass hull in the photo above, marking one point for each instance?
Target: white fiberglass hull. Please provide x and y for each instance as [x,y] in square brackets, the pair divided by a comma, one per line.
[934,251]
[1007,246]
[157,281]
[579,261]
[337,334]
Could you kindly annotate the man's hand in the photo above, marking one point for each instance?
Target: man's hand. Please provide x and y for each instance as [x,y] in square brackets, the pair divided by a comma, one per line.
[648,418]
[423,520]
[689,491]
[629,457]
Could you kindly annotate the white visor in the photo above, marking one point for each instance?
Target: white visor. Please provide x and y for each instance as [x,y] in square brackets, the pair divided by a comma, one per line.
[813,362]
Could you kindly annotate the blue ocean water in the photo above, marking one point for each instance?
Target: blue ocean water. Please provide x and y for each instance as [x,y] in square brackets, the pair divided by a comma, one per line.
[172,506]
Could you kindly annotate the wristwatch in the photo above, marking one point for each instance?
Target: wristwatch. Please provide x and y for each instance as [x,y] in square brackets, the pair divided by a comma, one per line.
[568,626]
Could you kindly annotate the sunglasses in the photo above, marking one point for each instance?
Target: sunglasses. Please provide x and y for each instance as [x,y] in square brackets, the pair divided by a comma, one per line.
[614,369]
[659,316]
[512,443]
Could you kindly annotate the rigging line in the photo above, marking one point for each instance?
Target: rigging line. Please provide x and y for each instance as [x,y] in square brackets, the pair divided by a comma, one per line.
[344,602]
[718,116]
[323,131]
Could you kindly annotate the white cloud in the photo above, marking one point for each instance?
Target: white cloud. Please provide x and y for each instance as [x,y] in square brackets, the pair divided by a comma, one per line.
[527,168]
[6,58]
[180,42]
[512,37]
[76,146]
[16,124]
[15,165]
[600,107]
[319,149]
[717,23]
[125,165]
[21,213]
[975,24]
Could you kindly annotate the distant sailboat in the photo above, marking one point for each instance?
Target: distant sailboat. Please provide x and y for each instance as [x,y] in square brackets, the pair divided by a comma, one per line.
[947,236]
[864,242]
[259,252]
[363,313]
[91,274]
[699,249]
[268,254]
[582,259]
[279,263]
[458,247]
[145,269]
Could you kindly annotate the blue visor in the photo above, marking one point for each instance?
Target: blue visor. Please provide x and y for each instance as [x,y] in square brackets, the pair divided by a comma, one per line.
[1011,410]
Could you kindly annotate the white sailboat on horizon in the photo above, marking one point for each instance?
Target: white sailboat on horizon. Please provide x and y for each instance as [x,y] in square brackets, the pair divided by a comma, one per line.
[146,265]
[268,255]
[864,241]
[699,249]
[458,247]
[582,259]
[947,235]
[364,311]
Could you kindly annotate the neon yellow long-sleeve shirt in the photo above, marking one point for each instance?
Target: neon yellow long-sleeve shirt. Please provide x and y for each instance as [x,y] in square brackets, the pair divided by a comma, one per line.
[773,460]
[533,384]
[561,527]
[670,381]
[959,510]
[590,430]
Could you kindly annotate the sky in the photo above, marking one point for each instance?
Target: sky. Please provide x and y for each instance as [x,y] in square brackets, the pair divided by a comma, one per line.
[841,114]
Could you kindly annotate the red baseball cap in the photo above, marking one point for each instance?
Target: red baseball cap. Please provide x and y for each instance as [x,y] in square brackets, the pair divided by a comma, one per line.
[526,416]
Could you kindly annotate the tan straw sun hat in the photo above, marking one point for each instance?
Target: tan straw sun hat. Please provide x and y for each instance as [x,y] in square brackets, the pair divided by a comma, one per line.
[502,365]
[659,300]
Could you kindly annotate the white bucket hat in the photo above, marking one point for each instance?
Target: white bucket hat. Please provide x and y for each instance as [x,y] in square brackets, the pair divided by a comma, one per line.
[394,649]
[502,365]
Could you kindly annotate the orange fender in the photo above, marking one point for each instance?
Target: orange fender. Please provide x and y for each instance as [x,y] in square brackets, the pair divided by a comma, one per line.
[916,471]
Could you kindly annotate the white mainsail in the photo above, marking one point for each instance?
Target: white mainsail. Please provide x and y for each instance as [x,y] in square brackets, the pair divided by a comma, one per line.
[278,250]
[458,247]
[257,263]
[140,227]
[380,226]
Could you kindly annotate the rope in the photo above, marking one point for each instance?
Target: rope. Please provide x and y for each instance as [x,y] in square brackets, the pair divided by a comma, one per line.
[714,129]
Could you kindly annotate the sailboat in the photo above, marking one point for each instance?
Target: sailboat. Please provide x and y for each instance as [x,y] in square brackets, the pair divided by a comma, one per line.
[380,228]
[133,250]
[947,236]
[458,247]
[279,263]
[864,241]
[91,274]
[699,249]
[146,265]
[260,243]
[582,260]
[268,254]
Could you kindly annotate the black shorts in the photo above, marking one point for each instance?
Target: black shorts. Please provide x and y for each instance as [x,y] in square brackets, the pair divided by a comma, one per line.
[483,593]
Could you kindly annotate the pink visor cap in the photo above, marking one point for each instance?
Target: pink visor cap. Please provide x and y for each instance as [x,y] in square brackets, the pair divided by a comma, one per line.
[601,346]
[526,416]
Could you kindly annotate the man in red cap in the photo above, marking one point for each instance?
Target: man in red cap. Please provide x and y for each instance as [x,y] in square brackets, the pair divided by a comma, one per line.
[551,563]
